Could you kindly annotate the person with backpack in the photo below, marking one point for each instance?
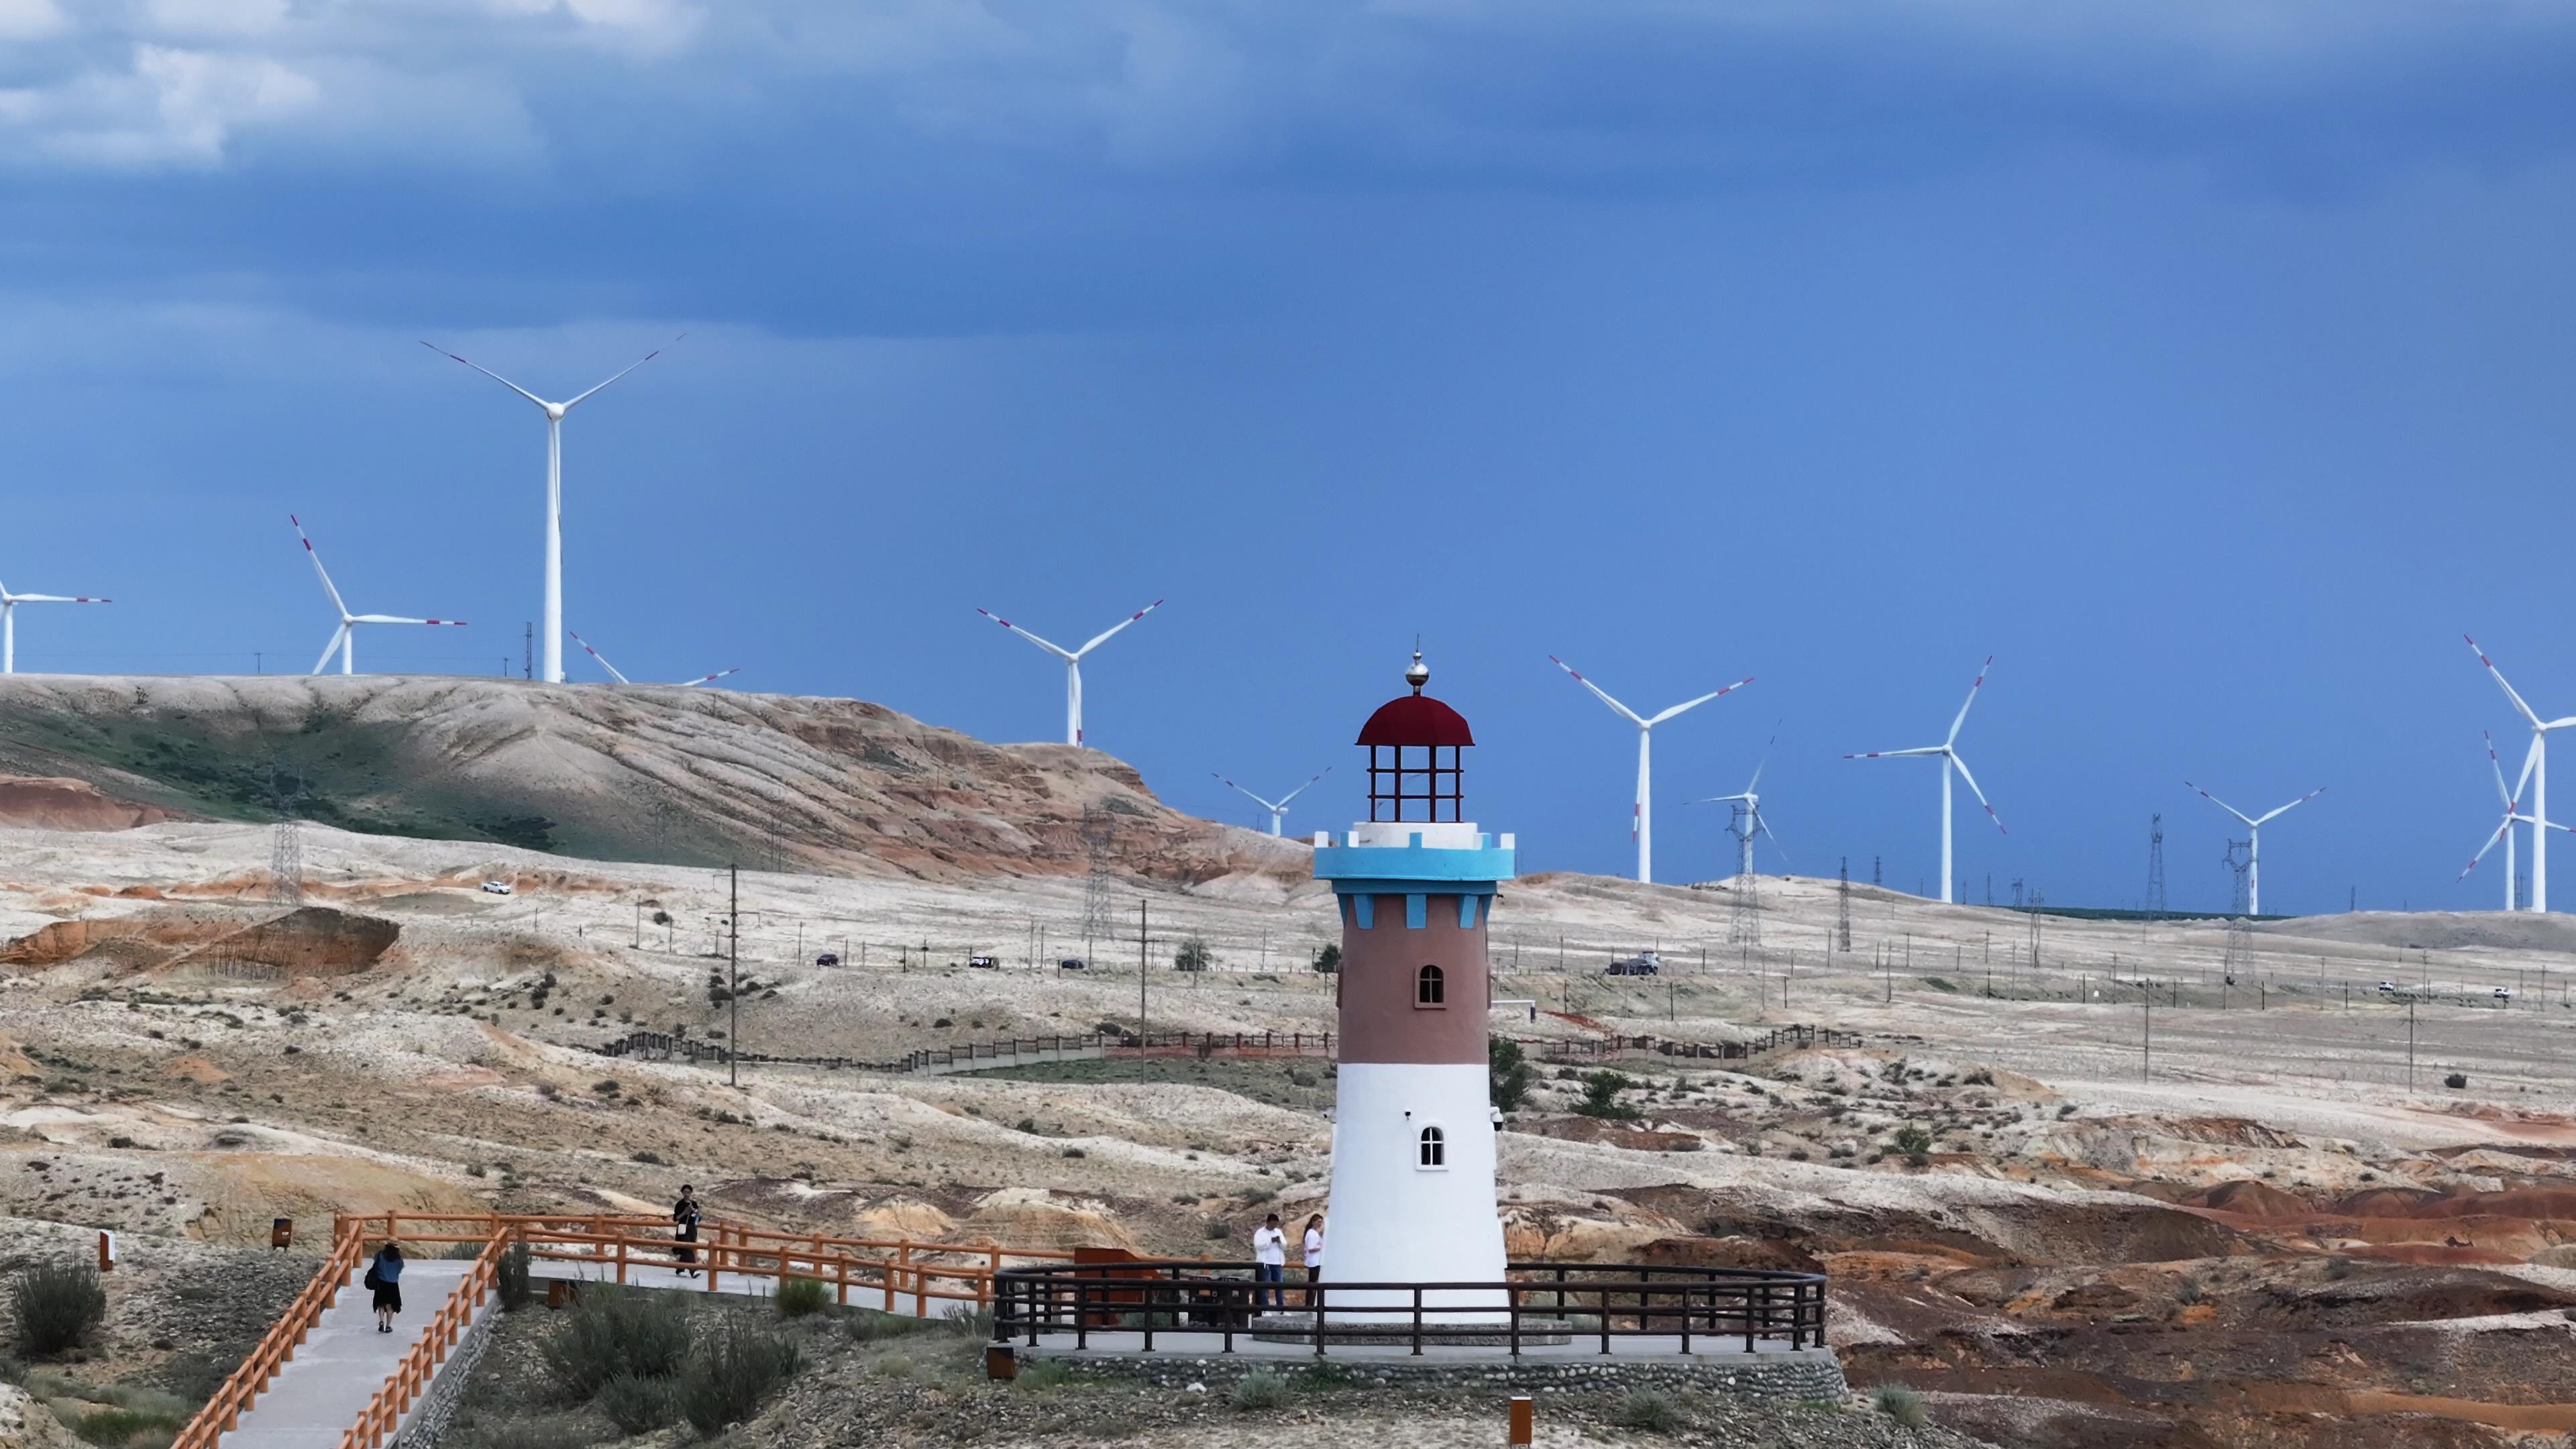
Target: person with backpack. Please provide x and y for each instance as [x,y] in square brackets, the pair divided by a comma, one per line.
[384,1279]
[684,1220]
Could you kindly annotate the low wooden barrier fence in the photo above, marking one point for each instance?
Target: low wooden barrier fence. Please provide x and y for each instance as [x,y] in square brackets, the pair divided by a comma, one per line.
[1714,1308]
[276,1347]
[617,1244]
[410,1378]
[1616,1048]
[663,1046]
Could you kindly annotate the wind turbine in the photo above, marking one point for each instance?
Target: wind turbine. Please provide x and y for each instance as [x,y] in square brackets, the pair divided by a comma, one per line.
[1278,808]
[2254,840]
[1948,752]
[1072,662]
[2512,813]
[554,624]
[1749,821]
[2536,765]
[622,679]
[1644,826]
[9,603]
[344,639]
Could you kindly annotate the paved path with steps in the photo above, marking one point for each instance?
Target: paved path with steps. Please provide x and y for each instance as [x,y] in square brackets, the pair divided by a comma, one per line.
[332,1378]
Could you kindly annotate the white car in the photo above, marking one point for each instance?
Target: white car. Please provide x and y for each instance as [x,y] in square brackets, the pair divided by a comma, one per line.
[2390,987]
[496,888]
[2504,993]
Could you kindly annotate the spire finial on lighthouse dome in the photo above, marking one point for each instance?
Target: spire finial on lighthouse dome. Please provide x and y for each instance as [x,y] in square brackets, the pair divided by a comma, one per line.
[1417,673]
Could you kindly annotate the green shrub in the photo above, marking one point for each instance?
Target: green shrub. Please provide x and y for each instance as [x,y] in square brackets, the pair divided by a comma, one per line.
[896,1366]
[732,1372]
[58,1304]
[132,1424]
[1914,1144]
[1328,961]
[1260,1389]
[974,1323]
[628,1331]
[866,1325]
[2456,1081]
[513,1280]
[1903,1405]
[637,1405]
[1507,1074]
[1601,1097]
[1042,1374]
[800,1296]
[1194,955]
[1644,1408]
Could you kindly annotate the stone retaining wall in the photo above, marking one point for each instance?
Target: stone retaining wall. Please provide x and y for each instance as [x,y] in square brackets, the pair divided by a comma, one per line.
[437,1406]
[1797,1375]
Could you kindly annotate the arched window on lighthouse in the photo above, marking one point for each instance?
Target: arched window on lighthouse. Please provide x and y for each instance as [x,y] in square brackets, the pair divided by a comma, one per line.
[1429,987]
[1433,1149]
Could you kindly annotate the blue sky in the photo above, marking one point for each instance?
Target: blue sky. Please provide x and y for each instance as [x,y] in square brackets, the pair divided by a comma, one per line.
[2209,364]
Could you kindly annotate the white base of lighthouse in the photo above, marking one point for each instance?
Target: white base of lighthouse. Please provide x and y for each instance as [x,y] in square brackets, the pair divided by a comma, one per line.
[1399,1219]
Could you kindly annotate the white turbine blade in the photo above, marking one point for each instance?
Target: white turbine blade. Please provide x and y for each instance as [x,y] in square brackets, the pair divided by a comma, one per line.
[1764,821]
[1300,790]
[1980,794]
[1025,634]
[1721,799]
[2295,804]
[2483,849]
[2221,804]
[331,648]
[398,619]
[2503,796]
[2500,684]
[2530,761]
[630,367]
[327,586]
[602,658]
[1246,794]
[1696,703]
[487,372]
[1598,690]
[710,678]
[1900,754]
[1971,701]
[1103,636]
[55,599]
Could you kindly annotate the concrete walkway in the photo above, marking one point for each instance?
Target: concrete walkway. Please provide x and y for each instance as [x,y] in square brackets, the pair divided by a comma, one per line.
[322,1390]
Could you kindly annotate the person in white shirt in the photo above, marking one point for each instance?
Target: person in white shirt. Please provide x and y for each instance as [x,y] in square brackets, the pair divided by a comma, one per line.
[1314,1253]
[1269,1263]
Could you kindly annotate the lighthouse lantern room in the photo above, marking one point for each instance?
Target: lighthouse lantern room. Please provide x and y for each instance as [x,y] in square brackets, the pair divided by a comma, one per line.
[1413,1127]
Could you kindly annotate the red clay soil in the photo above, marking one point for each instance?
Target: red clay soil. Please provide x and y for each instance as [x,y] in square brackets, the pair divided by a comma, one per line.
[50,803]
[2248,1198]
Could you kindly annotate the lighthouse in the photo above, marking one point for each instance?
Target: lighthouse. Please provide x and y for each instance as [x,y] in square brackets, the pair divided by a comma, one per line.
[1413,1125]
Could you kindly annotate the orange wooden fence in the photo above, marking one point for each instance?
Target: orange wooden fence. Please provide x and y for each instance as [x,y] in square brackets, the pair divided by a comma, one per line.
[276,1347]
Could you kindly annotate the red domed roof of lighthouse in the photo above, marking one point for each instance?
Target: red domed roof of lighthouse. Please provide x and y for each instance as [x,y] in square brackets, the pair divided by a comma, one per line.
[1416,718]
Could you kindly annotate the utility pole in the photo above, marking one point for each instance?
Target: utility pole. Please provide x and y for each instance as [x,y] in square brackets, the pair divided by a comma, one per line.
[1842,906]
[2147,1029]
[1141,971]
[2155,868]
[733,979]
[528,653]
[2410,1043]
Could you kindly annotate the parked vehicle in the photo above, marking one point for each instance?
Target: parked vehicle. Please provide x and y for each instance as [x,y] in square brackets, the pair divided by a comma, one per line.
[828,958]
[2388,988]
[496,888]
[987,963]
[1641,964]
[2504,993]
[1073,963]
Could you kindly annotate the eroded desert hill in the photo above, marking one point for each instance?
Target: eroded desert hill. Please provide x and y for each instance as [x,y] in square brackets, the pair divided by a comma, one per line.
[649,773]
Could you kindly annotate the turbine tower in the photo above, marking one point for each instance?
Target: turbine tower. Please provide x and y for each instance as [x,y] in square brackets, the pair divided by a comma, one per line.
[2254,840]
[1643,826]
[1747,820]
[2512,815]
[1072,662]
[1278,808]
[554,411]
[622,679]
[344,639]
[1948,753]
[9,603]
[2536,767]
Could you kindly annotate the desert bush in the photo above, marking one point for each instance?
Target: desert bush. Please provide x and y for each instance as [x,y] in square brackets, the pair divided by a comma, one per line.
[2338,1268]
[800,1296]
[1903,1405]
[1601,1096]
[513,1280]
[1913,1143]
[975,1324]
[1507,1074]
[58,1304]
[1045,1373]
[1328,960]
[732,1372]
[615,1331]
[1644,1408]
[521,1431]
[1260,1389]
[895,1366]
[2456,1081]
[637,1405]
[2192,1291]
[461,1252]
[866,1325]
[1194,955]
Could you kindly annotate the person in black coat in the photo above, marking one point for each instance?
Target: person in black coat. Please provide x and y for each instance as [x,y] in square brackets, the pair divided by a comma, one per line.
[384,1276]
[684,1228]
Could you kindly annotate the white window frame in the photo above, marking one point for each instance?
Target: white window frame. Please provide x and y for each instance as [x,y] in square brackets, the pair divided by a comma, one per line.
[1424,1137]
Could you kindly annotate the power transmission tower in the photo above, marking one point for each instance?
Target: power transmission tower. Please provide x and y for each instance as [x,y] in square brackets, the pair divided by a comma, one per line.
[1842,906]
[1876,876]
[286,840]
[1097,908]
[2240,932]
[528,653]
[1744,927]
[2016,885]
[2155,867]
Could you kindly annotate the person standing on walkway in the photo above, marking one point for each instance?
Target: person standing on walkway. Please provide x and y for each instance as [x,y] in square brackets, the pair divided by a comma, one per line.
[1269,1263]
[684,1224]
[1314,1255]
[384,1276]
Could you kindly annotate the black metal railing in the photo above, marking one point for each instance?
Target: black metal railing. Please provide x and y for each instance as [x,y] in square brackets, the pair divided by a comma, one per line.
[1582,1302]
